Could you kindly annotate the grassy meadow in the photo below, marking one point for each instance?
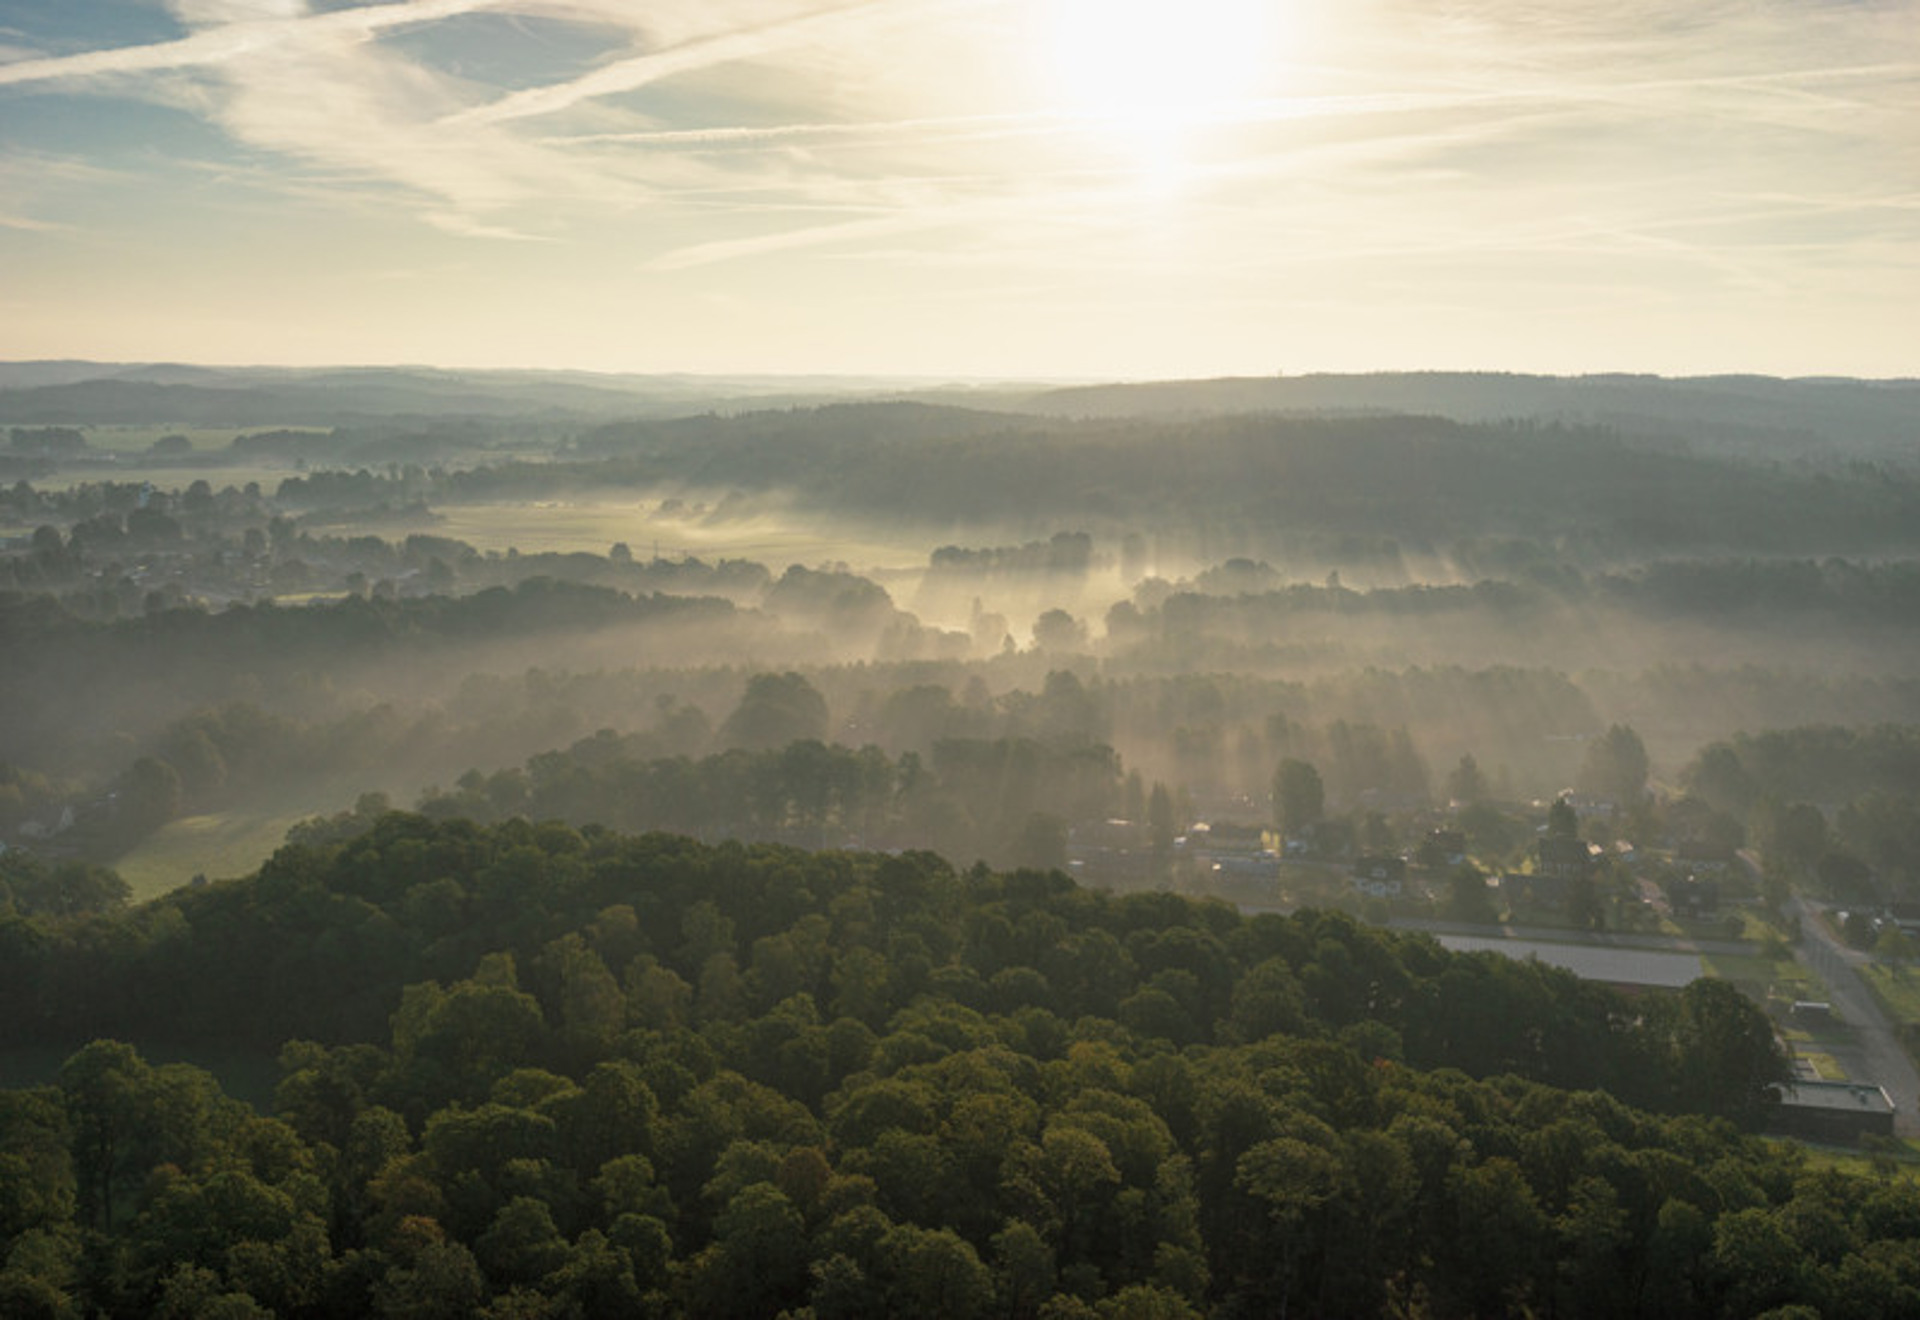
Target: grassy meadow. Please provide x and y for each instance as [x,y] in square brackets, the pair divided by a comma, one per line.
[220,845]
[1897,989]
[592,525]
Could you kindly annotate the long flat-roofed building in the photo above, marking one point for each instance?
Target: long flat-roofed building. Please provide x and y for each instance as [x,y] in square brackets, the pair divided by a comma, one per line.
[1840,1112]
[1624,967]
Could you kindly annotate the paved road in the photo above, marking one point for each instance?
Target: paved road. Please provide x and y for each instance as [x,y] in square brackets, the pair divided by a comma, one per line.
[1882,1060]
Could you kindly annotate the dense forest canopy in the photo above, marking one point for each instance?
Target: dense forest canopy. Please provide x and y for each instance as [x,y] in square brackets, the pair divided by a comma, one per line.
[552,1072]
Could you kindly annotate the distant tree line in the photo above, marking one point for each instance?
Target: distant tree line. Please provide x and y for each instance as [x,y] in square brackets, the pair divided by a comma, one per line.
[1835,807]
[1257,482]
[1009,801]
[1249,474]
[62,668]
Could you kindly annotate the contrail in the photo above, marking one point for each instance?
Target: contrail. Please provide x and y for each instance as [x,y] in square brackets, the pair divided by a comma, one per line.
[642,70]
[232,40]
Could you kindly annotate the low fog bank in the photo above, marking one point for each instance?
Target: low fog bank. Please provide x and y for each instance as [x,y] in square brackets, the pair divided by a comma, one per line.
[1194,599]
[1200,684]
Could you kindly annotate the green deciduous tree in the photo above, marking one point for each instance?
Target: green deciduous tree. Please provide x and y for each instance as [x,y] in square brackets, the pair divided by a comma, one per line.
[1615,767]
[1467,898]
[1727,1059]
[1563,822]
[1465,782]
[1299,798]
[775,710]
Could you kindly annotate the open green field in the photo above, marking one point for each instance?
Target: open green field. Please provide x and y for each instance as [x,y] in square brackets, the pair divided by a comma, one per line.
[595,525]
[166,476]
[219,846]
[775,539]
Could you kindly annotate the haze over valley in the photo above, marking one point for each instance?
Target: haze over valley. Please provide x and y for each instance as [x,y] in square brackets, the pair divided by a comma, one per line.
[1061,660]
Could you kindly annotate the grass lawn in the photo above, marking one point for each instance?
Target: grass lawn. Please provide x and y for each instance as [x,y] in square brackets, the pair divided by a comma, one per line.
[219,846]
[1781,977]
[1733,924]
[1898,994]
[1905,1155]
[1824,1066]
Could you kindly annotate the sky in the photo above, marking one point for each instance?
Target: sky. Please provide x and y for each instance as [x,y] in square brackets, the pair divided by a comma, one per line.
[1060,188]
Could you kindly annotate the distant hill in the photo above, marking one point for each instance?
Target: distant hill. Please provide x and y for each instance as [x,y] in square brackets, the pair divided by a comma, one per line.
[171,394]
[1250,477]
[1751,416]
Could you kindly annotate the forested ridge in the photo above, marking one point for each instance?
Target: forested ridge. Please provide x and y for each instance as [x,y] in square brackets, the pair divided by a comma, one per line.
[529,1070]
[1259,481]
[1253,476]
[1756,414]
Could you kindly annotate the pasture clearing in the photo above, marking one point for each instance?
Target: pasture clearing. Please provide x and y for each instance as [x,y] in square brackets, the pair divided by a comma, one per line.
[219,845]
[594,526]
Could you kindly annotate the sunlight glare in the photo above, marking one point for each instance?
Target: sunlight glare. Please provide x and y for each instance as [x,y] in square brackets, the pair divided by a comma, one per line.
[1147,65]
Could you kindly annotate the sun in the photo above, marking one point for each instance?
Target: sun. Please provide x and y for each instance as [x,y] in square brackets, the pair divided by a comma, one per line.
[1153,65]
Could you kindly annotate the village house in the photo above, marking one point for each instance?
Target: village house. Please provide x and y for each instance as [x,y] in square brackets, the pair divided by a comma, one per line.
[1562,857]
[1380,877]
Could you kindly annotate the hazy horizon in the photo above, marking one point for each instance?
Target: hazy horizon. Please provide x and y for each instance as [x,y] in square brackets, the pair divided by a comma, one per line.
[854,375]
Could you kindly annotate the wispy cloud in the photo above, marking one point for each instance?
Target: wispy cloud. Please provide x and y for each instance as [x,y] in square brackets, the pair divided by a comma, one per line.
[639,71]
[28,223]
[1042,123]
[320,89]
[760,134]
[1429,128]
[236,38]
[33,182]
[851,231]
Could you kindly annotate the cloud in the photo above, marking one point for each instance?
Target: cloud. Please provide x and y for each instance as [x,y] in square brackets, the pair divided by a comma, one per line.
[34,183]
[707,254]
[318,88]
[763,134]
[1449,127]
[28,223]
[463,226]
[238,30]
[642,70]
